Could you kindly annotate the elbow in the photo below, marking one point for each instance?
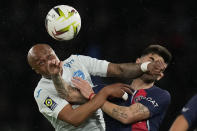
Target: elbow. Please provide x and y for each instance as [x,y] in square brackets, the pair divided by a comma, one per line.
[69,97]
[127,120]
[75,124]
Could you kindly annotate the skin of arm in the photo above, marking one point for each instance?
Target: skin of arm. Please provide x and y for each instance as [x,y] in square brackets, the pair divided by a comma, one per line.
[126,115]
[135,112]
[133,70]
[65,91]
[126,70]
[78,115]
[72,95]
[180,124]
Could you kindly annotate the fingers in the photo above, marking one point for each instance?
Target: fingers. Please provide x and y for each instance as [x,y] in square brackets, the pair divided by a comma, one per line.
[157,67]
[55,62]
[161,65]
[79,82]
[76,83]
[60,64]
[78,78]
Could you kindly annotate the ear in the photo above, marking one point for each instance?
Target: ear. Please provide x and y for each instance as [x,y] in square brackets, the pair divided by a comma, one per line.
[160,76]
[138,61]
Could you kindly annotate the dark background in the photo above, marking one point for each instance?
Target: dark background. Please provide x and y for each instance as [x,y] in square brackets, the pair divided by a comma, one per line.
[117,31]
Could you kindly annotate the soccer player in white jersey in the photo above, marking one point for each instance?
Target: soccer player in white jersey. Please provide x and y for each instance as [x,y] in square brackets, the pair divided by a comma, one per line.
[68,109]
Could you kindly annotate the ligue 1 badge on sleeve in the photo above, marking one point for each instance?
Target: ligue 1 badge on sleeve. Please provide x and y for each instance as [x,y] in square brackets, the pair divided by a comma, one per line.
[50,103]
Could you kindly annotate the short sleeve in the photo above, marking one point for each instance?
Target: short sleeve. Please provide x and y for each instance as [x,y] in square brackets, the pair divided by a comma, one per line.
[189,111]
[95,67]
[156,102]
[49,104]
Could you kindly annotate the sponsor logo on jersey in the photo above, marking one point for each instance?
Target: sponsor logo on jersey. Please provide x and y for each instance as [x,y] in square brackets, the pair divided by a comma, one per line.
[38,93]
[149,99]
[68,64]
[80,74]
[185,109]
[50,103]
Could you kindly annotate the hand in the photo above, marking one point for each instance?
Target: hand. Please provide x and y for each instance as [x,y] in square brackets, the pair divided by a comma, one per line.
[83,86]
[116,90]
[156,67]
[54,67]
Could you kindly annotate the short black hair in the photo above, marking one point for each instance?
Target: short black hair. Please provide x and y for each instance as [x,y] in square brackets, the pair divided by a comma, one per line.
[159,50]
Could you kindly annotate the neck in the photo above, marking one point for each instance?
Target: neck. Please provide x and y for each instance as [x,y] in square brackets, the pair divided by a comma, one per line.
[138,84]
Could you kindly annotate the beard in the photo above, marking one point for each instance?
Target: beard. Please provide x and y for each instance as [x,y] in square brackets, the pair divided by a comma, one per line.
[147,78]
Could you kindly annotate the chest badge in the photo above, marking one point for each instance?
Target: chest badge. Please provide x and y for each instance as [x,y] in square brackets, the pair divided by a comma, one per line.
[79,73]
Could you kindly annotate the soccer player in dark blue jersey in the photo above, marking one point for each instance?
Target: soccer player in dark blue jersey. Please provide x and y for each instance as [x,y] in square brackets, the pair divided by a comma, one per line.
[144,110]
[188,117]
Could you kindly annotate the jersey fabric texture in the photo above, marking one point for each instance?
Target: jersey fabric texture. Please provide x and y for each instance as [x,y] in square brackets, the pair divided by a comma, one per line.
[50,104]
[155,99]
[189,111]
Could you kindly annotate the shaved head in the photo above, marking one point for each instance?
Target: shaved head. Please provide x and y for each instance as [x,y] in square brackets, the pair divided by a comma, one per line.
[35,51]
[39,56]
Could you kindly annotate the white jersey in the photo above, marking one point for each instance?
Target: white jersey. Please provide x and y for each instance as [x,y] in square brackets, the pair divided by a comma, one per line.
[50,104]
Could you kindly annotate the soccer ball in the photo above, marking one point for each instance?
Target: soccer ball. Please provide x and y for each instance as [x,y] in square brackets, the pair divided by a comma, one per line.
[63,22]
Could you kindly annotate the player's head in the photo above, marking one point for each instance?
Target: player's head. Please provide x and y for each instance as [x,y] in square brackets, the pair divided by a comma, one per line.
[38,57]
[153,53]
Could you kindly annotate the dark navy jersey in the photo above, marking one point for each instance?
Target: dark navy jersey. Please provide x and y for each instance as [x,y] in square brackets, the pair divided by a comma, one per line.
[155,99]
[189,111]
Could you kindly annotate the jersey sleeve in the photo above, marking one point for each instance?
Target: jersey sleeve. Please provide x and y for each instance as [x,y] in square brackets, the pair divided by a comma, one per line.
[50,104]
[189,111]
[156,102]
[95,67]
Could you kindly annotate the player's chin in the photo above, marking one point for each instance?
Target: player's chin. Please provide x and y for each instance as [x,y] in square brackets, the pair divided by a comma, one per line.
[149,78]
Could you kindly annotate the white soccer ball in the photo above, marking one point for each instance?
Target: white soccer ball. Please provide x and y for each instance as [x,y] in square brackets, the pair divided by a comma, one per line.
[63,22]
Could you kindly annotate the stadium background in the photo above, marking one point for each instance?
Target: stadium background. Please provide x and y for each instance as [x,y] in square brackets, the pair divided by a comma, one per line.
[113,30]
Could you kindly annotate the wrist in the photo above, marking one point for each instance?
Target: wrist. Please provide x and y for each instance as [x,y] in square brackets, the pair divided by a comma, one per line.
[144,66]
[91,96]
[55,75]
[106,91]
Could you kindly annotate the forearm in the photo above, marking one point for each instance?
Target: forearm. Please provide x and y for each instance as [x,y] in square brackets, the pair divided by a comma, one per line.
[126,115]
[81,113]
[119,113]
[67,92]
[180,124]
[125,70]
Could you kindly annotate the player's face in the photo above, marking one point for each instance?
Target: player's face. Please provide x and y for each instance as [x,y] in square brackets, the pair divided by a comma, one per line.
[40,64]
[147,77]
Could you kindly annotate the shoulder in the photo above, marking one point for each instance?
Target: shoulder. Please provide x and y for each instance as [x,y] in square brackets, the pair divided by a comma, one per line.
[159,94]
[75,58]
[193,99]
[43,88]
[192,102]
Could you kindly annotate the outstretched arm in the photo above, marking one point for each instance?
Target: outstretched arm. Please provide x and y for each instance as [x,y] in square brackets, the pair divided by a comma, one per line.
[78,115]
[180,124]
[126,115]
[136,112]
[133,70]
